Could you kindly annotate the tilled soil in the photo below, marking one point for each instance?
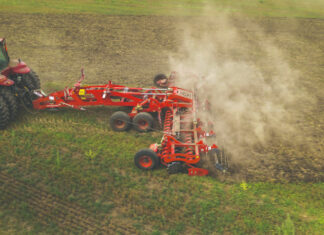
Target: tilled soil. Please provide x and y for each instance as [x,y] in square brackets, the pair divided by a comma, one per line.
[130,50]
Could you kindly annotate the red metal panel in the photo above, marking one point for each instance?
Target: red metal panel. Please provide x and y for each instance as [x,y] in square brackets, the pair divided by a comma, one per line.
[4,81]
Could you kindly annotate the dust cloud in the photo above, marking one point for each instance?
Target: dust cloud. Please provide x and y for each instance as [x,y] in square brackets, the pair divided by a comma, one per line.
[252,90]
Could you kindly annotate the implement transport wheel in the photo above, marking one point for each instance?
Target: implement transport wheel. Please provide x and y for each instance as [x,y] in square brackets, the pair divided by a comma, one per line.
[4,114]
[146,159]
[161,80]
[120,121]
[11,101]
[143,122]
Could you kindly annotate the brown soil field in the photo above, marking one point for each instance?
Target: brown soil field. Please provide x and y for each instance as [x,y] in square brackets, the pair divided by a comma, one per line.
[130,50]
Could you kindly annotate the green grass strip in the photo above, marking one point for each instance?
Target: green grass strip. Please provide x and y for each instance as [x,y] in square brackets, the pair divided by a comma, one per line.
[273,8]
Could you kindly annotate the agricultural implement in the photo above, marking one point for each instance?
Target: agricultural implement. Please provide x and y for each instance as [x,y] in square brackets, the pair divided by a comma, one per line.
[184,141]
[17,81]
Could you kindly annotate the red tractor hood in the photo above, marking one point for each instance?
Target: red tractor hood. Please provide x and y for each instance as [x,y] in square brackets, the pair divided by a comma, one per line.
[16,67]
[4,81]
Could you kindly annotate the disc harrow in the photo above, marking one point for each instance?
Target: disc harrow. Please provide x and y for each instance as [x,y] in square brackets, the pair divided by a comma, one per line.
[184,141]
[183,144]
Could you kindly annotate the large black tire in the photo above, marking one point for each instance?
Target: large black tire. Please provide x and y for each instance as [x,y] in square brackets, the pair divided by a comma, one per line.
[4,114]
[146,159]
[158,78]
[11,101]
[35,79]
[120,121]
[143,122]
[28,82]
[26,99]
[31,80]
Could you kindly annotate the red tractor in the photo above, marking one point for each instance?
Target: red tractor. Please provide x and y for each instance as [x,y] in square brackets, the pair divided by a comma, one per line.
[17,82]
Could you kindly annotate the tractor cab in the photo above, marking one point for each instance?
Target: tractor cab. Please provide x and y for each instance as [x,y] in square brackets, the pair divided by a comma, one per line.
[10,68]
[4,57]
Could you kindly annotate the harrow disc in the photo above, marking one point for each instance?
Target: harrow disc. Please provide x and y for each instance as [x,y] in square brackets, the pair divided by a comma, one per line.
[219,159]
[177,167]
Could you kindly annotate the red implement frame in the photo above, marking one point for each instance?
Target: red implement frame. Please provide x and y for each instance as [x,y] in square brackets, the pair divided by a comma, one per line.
[183,139]
[141,99]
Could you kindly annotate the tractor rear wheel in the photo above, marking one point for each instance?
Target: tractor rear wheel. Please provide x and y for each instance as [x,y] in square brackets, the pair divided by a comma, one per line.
[11,101]
[143,122]
[146,159]
[120,121]
[4,114]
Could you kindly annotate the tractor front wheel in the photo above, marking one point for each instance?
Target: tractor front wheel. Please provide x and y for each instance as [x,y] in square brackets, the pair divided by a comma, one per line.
[146,159]
[143,122]
[4,114]
[31,80]
[11,101]
[35,79]
[120,121]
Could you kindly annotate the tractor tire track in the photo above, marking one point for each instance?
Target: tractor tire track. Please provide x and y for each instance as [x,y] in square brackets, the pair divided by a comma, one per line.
[69,217]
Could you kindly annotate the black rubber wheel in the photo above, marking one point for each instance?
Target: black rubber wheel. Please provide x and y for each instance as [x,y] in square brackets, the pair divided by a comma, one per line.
[26,99]
[28,82]
[35,79]
[120,121]
[146,159]
[31,81]
[157,80]
[11,101]
[143,122]
[4,114]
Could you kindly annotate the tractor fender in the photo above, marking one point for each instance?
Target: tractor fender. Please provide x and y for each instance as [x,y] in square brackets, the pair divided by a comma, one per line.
[4,81]
[16,66]
[19,66]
